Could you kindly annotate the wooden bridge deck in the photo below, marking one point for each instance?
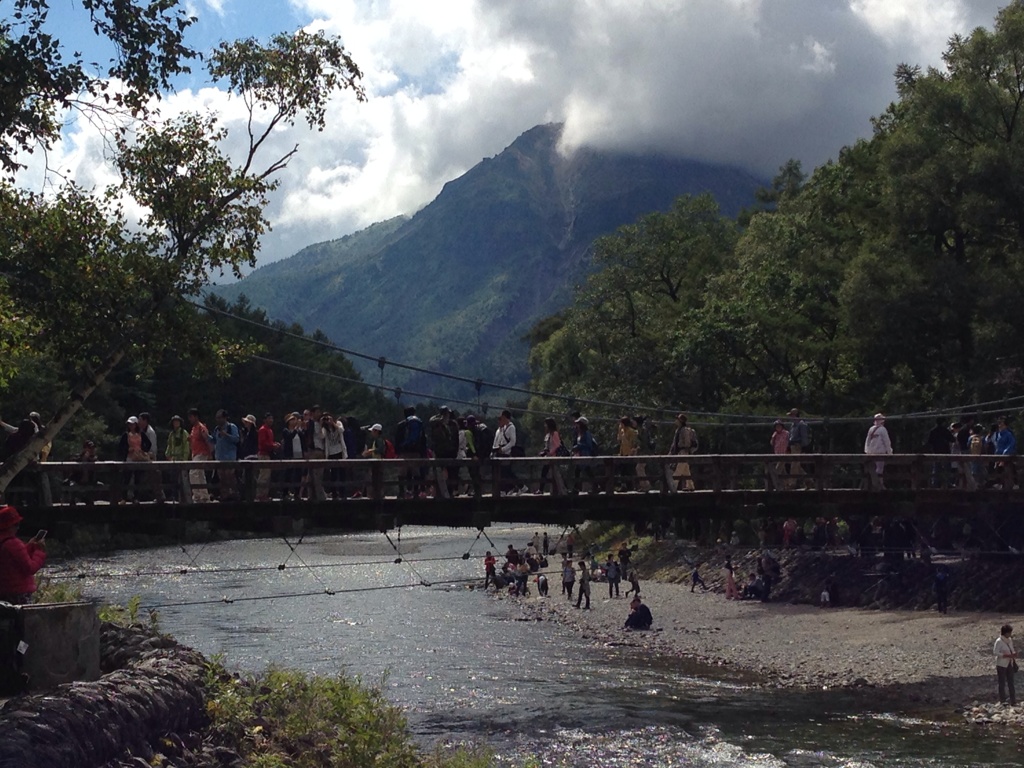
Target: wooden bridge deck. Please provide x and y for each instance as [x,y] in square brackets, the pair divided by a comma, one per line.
[725,487]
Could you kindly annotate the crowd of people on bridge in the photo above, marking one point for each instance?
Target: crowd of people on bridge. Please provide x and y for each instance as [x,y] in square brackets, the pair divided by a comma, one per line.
[318,434]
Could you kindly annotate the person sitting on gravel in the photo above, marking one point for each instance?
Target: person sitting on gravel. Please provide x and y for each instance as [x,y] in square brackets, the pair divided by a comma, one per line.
[754,589]
[639,615]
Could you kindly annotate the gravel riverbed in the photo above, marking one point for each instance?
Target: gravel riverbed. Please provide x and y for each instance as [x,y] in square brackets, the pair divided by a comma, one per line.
[922,662]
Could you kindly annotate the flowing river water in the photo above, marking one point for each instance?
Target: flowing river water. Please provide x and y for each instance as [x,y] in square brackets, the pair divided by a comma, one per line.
[465,670]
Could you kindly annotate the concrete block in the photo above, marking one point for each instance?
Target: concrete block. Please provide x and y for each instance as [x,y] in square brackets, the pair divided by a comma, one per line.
[63,642]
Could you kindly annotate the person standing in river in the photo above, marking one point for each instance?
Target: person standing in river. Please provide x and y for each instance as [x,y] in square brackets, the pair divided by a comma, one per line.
[584,585]
[1006,664]
[490,568]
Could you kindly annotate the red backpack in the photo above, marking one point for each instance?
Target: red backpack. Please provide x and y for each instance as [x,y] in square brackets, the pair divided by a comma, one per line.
[389,450]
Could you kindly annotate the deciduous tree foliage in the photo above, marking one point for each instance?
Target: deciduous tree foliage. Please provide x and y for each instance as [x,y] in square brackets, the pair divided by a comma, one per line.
[87,286]
[889,279]
[40,80]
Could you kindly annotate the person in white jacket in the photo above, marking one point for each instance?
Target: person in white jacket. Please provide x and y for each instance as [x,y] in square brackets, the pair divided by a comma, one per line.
[1006,664]
[877,443]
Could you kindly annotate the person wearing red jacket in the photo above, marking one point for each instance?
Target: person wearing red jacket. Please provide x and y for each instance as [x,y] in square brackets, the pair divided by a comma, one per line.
[18,561]
[266,447]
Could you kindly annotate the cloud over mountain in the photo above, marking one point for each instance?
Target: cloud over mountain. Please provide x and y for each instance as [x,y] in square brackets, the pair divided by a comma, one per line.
[748,82]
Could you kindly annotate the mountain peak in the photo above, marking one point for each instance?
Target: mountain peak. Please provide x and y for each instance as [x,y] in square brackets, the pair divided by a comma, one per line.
[457,286]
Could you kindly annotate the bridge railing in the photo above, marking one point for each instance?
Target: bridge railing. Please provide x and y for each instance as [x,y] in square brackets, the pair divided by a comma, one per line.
[257,480]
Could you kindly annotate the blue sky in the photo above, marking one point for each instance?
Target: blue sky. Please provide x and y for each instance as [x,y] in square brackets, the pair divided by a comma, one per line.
[750,83]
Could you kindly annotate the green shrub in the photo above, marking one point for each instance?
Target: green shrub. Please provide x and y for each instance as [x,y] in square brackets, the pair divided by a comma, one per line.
[50,591]
[283,718]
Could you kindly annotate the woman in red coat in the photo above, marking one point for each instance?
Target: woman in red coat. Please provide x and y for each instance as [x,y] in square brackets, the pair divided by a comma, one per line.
[18,561]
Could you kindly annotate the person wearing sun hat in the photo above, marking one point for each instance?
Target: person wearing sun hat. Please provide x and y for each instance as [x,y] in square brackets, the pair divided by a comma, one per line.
[19,561]
[877,443]
[374,443]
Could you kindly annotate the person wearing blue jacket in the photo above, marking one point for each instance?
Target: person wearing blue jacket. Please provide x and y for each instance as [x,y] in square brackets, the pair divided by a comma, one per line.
[584,445]
[225,439]
[1005,445]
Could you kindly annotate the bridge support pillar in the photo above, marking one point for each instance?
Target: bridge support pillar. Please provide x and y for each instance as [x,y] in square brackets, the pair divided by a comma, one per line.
[174,527]
[288,526]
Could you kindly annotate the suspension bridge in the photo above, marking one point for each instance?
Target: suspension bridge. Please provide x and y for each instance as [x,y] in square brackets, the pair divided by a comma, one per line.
[375,494]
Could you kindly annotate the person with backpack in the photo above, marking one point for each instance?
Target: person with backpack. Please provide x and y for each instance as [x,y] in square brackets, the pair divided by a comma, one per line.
[225,441]
[684,443]
[1006,446]
[444,440]
[411,443]
[375,446]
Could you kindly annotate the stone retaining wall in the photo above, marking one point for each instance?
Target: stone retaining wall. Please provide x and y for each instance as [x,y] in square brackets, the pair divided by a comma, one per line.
[148,709]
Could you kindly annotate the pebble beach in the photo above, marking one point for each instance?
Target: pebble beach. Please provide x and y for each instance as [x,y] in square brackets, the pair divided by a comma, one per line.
[920,662]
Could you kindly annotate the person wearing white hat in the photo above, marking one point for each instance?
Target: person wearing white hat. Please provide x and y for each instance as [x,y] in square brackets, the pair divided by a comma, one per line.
[374,443]
[877,443]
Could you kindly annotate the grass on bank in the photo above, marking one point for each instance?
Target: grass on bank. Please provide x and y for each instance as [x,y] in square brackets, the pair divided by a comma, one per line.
[283,718]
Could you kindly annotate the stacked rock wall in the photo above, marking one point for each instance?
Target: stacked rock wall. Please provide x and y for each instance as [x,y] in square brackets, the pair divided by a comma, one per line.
[148,709]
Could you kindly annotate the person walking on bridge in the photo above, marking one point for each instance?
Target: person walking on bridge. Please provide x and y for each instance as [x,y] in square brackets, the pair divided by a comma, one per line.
[504,447]
[877,443]
[780,447]
[199,443]
[266,447]
[411,443]
[225,440]
[799,441]
[444,440]
[313,448]
[684,443]
[1006,447]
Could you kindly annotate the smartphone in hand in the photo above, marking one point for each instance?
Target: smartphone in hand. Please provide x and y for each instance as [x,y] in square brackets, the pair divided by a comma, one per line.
[41,535]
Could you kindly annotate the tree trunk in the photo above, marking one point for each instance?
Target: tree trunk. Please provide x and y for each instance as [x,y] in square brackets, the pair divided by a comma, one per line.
[71,406]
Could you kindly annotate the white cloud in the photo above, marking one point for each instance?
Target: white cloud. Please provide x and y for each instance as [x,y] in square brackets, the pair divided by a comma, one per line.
[748,82]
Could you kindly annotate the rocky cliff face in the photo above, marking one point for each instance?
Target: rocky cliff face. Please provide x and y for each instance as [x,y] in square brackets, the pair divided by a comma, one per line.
[457,285]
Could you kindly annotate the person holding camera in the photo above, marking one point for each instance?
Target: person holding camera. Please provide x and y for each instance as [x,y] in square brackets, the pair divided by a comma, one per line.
[19,561]
[225,440]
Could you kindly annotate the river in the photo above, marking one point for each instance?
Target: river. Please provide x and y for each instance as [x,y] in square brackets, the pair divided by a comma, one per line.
[466,671]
